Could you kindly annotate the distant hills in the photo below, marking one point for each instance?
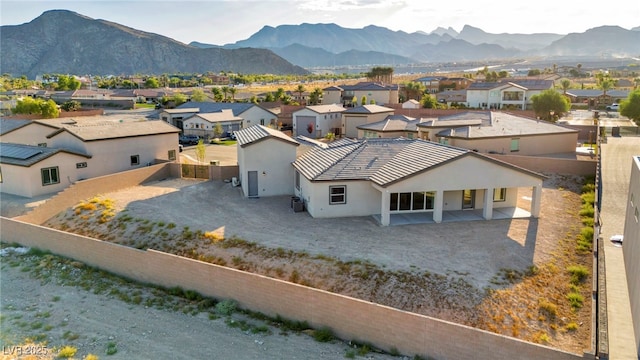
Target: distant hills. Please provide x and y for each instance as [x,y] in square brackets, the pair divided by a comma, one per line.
[61,41]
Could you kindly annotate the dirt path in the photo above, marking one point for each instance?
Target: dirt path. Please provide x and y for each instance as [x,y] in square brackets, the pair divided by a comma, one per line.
[48,309]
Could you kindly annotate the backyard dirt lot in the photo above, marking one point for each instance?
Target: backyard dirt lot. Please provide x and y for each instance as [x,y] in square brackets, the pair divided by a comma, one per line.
[497,275]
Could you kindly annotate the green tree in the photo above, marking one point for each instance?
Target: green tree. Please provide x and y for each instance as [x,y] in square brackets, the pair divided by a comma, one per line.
[315,97]
[414,90]
[217,130]
[28,105]
[152,83]
[550,105]
[429,102]
[201,151]
[179,99]
[233,91]
[269,97]
[71,105]
[217,94]
[49,110]
[363,101]
[631,106]
[380,74]
[225,91]
[534,72]
[565,84]
[280,94]
[198,95]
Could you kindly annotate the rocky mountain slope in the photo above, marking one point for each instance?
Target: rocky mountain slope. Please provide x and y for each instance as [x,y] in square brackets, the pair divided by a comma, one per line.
[61,41]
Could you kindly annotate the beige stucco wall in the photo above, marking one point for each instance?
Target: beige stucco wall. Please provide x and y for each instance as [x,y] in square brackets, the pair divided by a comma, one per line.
[381,97]
[550,165]
[362,198]
[27,181]
[32,134]
[529,145]
[114,155]
[631,247]
[253,115]
[331,97]
[390,134]
[351,121]
[349,318]
[272,159]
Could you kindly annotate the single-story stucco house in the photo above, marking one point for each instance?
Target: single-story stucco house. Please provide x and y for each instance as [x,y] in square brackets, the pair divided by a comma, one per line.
[387,178]
[204,125]
[364,114]
[392,126]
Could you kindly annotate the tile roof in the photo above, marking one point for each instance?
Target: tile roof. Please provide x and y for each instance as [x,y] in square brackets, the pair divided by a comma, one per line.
[362,86]
[392,123]
[220,116]
[380,160]
[482,118]
[258,133]
[182,110]
[115,129]
[506,125]
[329,108]
[27,155]
[208,107]
[368,109]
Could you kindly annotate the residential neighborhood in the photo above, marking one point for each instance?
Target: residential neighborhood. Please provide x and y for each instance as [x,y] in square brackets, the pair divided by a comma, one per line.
[375,193]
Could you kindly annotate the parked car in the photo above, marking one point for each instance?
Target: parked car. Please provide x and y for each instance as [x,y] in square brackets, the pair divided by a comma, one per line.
[188,140]
[613,107]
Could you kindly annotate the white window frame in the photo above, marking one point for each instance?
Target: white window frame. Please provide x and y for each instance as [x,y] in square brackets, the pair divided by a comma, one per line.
[338,198]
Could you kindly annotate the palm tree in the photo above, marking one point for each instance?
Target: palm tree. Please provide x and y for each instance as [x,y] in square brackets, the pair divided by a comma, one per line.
[315,97]
[217,94]
[300,89]
[279,95]
[414,90]
[605,84]
[565,84]
[225,91]
[233,92]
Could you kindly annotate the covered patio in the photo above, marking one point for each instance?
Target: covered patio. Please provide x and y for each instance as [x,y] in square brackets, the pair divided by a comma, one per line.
[454,216]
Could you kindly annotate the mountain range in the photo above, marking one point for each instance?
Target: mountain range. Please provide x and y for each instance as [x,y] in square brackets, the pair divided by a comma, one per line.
[61,41]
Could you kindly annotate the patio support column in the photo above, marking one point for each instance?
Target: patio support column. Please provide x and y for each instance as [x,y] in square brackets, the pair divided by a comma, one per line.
[385,218]
[487,208]
[535,200]
[437,207]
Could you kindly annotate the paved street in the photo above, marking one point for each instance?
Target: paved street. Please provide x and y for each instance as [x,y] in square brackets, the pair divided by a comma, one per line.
[616,170]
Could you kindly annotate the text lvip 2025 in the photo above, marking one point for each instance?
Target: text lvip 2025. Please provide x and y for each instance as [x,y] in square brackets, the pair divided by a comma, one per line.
[22,350]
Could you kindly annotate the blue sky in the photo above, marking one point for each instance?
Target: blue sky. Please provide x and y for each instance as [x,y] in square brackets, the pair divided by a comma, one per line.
[221,22]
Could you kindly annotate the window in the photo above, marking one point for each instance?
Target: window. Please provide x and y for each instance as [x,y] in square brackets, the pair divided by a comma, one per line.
[135,160]
[515,145]
[50,176]
[81,165]
[42,144]
[337,195]
[297,180]
[172,154]
[409,135]
[261,121]
[499,194]
[416,201]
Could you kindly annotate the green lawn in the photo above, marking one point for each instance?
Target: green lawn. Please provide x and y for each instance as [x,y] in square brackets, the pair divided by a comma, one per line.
[224,142]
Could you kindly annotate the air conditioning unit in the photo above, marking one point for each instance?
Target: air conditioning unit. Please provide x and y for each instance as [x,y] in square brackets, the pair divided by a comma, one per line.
[235,181]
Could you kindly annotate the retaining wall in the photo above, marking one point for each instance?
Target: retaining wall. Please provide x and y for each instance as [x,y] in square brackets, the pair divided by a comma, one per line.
[87,188]
[550,165]
[349,318]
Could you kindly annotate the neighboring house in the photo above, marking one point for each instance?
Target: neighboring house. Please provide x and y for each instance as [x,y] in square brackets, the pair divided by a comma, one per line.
[351,95]
[27,132]
[318,120]
[595,97]
[252,114]
[392,126]
[497,132]
[30,171]
[455,83]
[391,178]
[264,160]
[504,95]
[117,146]
[411,104]
[431,83]
[354,117]
[452,96]
[176,117]
[631,245]
[204,125]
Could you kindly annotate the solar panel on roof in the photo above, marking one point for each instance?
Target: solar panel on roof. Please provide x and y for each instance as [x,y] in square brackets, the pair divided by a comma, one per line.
[20,153]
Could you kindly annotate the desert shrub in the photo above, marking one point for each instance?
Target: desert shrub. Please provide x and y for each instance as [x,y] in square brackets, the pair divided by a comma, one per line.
[213,236]
[572,326]
[548,308]
[112,348]
[586,221]
[575,300]
[67,352]
[226,307]
[586,233]
[324,334]
[578,273]
[586,210]
[591,187]
[588,198]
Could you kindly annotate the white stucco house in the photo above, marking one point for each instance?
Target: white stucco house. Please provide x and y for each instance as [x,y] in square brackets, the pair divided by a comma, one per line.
[204,125]
[318,120]
[264,160]
[500,133]
[250,113]
[351,95]
[393,178]
[502,95]
[353,117]
[30,171]
[82,149]
[411,104]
